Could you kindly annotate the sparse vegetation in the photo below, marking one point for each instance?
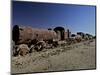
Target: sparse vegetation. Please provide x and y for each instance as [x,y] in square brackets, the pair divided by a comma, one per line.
[66,57]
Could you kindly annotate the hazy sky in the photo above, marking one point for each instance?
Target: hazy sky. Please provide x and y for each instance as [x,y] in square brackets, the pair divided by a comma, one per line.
[47,15]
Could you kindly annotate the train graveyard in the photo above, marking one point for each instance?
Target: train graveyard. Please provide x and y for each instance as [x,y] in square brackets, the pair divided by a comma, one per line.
[44,56]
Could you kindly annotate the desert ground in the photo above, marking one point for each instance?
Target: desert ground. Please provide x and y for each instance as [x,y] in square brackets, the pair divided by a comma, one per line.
[66,57]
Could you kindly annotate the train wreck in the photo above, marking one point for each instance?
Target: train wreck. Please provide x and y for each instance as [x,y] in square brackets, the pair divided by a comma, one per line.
[26,39]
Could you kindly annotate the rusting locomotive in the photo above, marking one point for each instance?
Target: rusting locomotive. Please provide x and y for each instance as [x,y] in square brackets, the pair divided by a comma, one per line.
[27,35]
[38,38]
[27,39]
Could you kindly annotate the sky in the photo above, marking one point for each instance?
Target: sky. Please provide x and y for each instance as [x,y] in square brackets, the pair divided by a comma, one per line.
[76,18]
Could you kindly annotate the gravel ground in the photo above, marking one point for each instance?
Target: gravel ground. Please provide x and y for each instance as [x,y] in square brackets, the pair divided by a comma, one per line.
[73,57]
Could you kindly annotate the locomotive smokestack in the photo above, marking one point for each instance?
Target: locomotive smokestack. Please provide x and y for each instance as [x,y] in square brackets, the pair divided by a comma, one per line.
[49,29]
[68,33]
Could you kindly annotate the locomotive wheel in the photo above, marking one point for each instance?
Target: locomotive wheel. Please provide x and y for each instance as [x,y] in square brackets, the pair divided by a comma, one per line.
[39,46]
[23,52]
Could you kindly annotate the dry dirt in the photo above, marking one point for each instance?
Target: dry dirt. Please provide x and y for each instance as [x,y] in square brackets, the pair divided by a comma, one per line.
[72,57]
